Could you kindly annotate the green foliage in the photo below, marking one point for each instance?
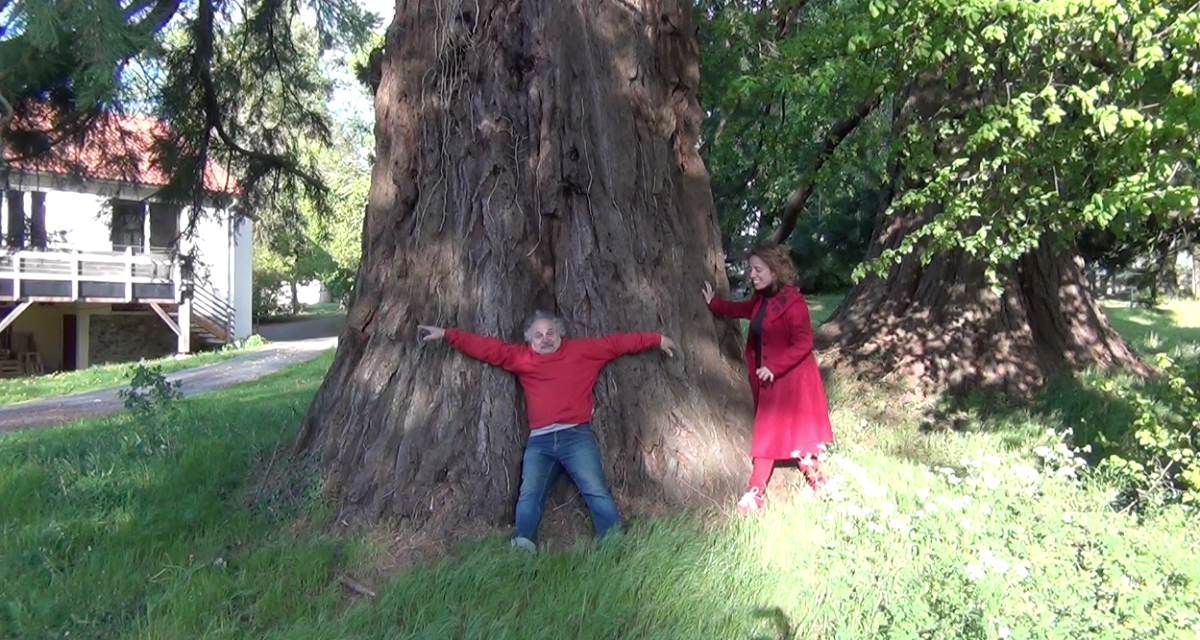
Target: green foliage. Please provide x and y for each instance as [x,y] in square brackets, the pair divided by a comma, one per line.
[252,341]
[42,47]
[1052,117]
[300,238]
[310,244]
[772,85]
[1005,120]
[271,275]
[237,81]
[150,394]
[1159,457]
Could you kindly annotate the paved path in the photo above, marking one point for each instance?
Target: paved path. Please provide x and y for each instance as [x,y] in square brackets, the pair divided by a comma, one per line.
[238,369]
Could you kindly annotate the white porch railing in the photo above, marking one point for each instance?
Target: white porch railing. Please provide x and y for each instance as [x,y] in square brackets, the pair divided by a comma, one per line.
[74,266]
[211,312]
[154,278]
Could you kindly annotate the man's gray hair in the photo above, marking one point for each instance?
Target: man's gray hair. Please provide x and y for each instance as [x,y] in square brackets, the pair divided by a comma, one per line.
[543,315]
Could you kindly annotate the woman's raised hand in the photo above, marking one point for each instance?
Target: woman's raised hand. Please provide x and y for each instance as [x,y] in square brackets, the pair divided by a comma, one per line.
[708,292]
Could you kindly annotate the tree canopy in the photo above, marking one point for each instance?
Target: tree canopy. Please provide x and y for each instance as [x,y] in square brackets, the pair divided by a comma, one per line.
[235,81]
[1028,117]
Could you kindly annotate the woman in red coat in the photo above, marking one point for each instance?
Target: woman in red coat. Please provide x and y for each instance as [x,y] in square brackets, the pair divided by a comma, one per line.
[791,417]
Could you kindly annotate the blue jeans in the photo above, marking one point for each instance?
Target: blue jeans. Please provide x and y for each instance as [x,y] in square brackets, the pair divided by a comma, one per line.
[576,451]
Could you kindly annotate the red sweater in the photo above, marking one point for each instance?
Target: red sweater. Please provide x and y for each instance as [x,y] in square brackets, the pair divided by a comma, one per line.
[558,386]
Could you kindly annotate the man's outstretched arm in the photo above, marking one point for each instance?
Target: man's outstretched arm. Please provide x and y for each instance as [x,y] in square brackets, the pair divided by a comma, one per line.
[490,350]
[620,344]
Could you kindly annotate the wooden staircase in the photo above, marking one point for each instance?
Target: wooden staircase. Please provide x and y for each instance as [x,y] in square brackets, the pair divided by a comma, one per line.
[212,317]
[208,318]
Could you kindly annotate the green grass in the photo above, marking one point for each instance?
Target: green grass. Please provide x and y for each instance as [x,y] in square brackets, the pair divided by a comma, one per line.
[113,527]
[14,390]
[820,307]
[308,311]
[1168,328]
[117,529]
[322,309]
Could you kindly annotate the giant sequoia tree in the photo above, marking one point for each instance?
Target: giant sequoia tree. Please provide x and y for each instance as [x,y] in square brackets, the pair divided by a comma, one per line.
[1014,125]
[531,154]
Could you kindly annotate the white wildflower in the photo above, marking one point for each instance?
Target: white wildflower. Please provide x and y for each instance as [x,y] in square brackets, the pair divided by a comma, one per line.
[990,481]
[922,494]
[1020,571]
[975,572]
[1004,632]
[1024,473]
[874,491]
[874,527]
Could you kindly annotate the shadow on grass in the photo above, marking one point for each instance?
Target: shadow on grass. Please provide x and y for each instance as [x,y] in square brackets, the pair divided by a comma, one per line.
[1100,410]
[784,630]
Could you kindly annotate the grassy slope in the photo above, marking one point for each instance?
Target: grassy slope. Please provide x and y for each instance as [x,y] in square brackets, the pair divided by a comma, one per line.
[14,390]
[114,529]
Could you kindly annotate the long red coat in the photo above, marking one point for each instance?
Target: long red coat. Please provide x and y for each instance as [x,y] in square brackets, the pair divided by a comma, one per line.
[791,415]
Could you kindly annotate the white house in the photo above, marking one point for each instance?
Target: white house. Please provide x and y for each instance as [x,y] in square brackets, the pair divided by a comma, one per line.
[90,268]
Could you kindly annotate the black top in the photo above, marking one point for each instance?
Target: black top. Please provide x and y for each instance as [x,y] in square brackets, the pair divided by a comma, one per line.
[756,325]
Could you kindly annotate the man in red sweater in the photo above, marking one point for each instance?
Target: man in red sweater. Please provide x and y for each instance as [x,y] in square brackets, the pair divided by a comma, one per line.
[557,376]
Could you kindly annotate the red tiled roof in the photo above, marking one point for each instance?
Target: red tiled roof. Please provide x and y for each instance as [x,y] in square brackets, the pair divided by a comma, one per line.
[118,148]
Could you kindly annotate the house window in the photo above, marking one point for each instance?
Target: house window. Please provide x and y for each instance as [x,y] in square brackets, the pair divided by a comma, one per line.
[37,220]
[164,225]
[15,229]
[128,225]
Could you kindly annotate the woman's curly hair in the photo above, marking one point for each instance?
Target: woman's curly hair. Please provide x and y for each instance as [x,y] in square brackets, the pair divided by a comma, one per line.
[778,261]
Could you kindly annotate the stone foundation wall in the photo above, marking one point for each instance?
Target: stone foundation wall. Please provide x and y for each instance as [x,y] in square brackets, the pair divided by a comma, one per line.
[128,338]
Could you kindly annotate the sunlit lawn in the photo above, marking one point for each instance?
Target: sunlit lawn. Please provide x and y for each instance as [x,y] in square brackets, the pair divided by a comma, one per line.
[120,529]
[1164,328]
[14,390]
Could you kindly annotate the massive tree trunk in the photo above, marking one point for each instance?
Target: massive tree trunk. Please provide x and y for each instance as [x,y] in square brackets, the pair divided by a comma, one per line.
[531,154]
[940,326]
